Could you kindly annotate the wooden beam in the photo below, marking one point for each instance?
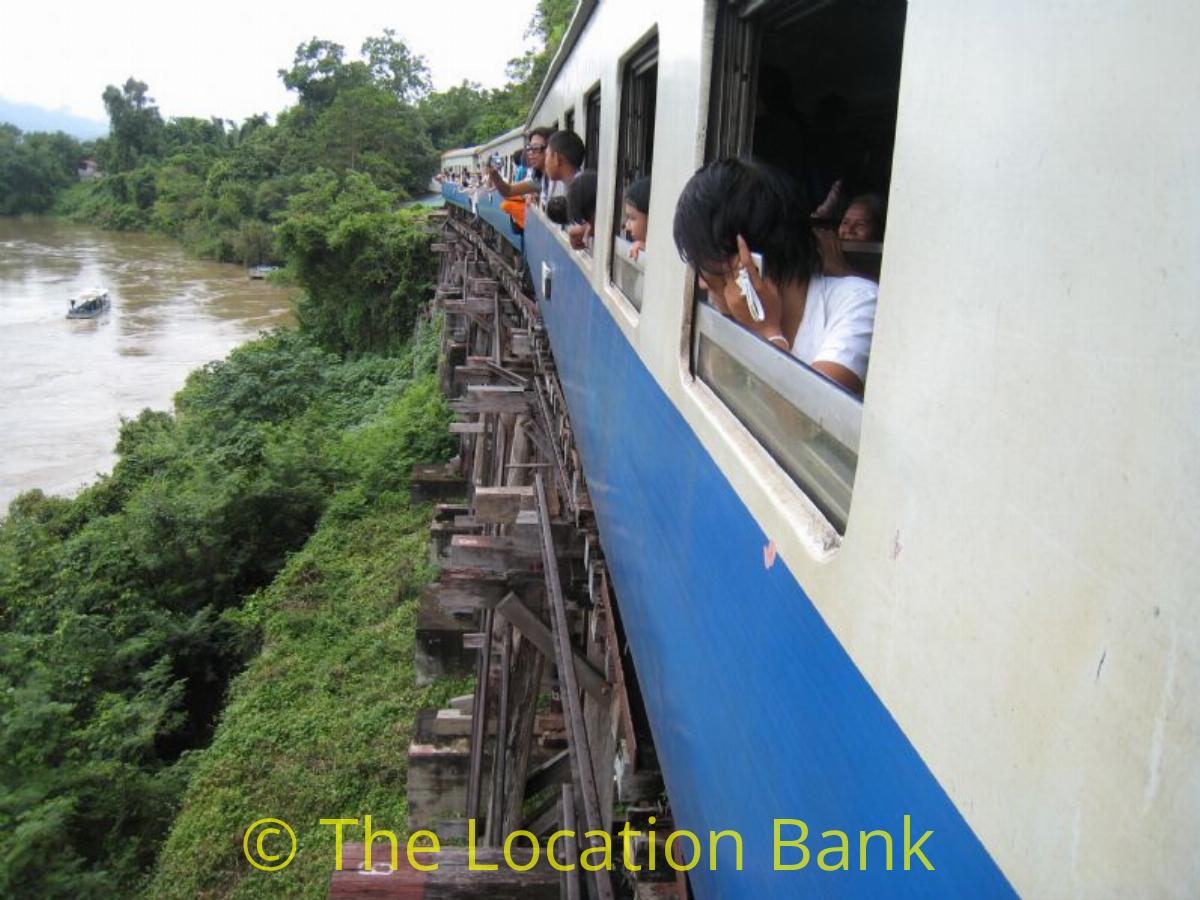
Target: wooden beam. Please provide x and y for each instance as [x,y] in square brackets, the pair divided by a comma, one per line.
[473,404]
[555,770]
[437,481]
[451,880]
[466,592]
[478,306]
[502,505]
[493,553]
[532,627]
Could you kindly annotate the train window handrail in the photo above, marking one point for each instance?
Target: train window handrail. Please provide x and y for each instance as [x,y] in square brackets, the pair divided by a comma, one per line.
[834,410]
[808,424]
[628,274]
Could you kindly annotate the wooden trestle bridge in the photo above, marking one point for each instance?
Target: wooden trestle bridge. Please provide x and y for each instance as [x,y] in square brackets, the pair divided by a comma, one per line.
[554,737]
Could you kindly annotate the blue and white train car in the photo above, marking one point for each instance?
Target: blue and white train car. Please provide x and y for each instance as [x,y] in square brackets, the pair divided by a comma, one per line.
[500,150]
[460,161]
[968,600]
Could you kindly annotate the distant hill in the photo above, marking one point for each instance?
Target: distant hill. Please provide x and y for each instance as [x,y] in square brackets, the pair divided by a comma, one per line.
[28,117]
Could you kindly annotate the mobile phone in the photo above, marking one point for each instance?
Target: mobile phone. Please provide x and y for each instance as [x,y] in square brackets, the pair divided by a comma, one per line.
[757,313]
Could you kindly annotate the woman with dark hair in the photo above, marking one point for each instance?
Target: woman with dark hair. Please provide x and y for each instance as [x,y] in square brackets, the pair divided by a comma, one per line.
[581,210]
[733,210]
[637,214]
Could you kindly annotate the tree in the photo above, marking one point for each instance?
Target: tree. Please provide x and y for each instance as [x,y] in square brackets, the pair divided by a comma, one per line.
[393,66]
[363,264]
[367,129]
[135,125]
[549,26]
[34,167]
[318,73]
[467,114]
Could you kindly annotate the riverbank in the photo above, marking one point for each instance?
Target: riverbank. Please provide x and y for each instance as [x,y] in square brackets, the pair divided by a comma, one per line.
[262,537]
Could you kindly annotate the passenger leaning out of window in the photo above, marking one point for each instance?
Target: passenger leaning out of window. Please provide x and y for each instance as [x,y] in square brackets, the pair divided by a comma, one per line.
[733,210]
[564,158]
[581,210]
[535,156]
[637,214]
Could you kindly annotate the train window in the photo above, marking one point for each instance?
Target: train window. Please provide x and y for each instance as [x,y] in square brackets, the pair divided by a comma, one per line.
[635,156]
[812,88]
[569,120]
[591,106]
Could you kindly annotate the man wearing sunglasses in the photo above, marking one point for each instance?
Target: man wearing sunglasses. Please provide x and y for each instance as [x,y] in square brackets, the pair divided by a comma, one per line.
[535,156]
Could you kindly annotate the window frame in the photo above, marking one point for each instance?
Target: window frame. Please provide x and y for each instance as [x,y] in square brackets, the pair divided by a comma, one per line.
[733,90]
[591,126]
[635,147]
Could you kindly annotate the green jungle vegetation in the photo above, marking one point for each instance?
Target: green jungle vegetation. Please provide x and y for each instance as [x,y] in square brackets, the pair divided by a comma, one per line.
[222,189]
[221,629]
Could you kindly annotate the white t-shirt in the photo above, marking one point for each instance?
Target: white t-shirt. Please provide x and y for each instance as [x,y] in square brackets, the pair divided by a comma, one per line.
[839,318]
[552,189]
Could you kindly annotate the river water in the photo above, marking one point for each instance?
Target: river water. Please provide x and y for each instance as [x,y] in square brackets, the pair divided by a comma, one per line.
[65,384]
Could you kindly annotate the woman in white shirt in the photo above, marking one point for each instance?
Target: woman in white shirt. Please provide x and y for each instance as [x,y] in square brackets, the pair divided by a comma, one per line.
[733,208]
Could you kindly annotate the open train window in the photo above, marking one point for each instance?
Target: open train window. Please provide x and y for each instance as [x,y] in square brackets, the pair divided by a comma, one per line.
[569,120]
[591,138]
[635,156]
[810,86]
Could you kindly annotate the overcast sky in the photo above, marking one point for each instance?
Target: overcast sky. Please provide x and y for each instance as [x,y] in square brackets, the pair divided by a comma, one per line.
[220,57]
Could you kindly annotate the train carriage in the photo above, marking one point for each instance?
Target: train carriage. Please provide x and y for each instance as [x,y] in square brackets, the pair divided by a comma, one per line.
[961,604]
[460,161]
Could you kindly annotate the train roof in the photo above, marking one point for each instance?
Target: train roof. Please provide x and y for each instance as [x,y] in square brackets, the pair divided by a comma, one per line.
[510,140]
[583,12]
[459,153]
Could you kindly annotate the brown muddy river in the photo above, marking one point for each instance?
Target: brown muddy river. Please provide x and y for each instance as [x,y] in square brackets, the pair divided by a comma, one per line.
[65,384]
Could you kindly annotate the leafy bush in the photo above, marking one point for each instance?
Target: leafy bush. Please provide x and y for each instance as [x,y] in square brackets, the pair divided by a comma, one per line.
[122,610]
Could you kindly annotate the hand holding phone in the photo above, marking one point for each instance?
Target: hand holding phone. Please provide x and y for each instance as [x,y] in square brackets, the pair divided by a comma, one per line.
[753,301]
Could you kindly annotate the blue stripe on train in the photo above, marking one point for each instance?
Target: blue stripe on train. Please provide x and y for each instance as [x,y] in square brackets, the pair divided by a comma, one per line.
[488,209]
[758,712]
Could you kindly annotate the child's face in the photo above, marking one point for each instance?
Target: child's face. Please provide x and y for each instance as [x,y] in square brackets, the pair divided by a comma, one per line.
[635,223]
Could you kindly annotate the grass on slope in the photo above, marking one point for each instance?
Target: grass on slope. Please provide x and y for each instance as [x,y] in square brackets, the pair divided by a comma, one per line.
[318,725]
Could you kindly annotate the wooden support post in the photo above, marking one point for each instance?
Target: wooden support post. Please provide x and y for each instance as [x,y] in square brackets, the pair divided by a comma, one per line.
[581,757]
[439,652]
[483,674]
[571,850]
[525,683]
[494,836]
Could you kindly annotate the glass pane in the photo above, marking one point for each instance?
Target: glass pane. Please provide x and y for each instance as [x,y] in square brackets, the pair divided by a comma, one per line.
[628,274]
[811,439]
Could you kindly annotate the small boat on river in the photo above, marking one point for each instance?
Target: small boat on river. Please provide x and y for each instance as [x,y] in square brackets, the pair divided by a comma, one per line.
[262,271]
[89,304]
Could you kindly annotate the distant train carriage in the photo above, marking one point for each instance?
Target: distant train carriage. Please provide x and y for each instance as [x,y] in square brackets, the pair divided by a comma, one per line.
[499,152]
[460,162]
[965,603]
